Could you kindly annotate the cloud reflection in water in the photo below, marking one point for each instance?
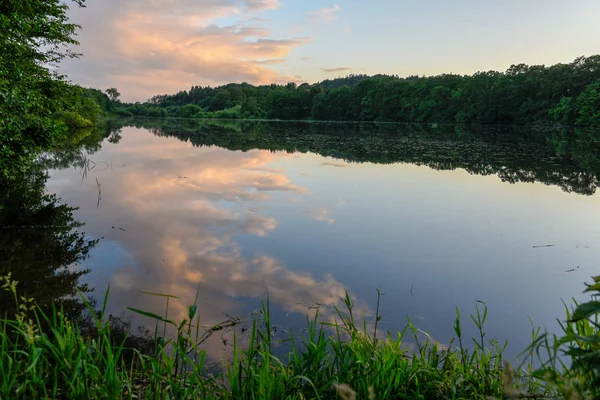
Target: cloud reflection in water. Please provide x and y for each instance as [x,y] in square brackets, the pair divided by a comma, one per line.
[177,210]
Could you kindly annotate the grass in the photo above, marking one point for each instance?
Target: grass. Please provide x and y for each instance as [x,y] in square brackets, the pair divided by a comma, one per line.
[46,356]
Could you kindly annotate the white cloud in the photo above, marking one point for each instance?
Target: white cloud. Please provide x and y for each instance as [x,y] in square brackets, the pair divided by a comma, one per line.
[325,14]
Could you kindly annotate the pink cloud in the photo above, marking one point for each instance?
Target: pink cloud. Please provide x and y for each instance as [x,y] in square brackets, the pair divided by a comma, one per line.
[157,46]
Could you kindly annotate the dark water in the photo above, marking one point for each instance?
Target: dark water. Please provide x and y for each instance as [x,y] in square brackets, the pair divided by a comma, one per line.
[435,217]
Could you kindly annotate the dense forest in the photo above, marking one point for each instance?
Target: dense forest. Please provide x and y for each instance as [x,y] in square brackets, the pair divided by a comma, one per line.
[567,94]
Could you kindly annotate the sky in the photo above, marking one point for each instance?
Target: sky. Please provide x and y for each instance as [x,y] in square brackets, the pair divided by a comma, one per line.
[149,47]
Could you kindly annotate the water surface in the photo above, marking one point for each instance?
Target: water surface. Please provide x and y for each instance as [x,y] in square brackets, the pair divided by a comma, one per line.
[435,217]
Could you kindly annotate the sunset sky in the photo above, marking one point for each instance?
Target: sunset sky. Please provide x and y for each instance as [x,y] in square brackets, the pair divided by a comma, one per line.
[148,47]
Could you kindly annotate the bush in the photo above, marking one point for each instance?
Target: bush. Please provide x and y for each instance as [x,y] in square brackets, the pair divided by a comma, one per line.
[230,113]
[189,110]
[89,109]
[155,112]
[73,120]
[588,106]
[122,112]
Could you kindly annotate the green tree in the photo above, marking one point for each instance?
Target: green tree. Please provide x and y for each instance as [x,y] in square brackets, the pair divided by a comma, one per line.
[521,95]
[221,101]
[289,103]
[81,110]
[320,107]
[564,112]
[588,106]
[113,94]
[33,36]
[250,107]
[113,99]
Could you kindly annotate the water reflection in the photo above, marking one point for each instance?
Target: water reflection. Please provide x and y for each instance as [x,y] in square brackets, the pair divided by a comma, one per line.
[551,155]
[170,215]
[41,245]
[180,211]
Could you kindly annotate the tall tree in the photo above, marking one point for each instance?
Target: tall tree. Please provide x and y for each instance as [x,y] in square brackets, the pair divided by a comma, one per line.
[113,94]
[34,36]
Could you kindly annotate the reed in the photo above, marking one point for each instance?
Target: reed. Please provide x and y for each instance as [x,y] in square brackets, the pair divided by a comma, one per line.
[47,356]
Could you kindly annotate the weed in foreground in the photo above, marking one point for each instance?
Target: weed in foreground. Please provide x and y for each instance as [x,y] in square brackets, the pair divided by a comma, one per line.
[331,360]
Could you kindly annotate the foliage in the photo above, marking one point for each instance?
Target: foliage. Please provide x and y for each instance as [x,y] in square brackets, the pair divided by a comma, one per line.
[31,34]
[562,93]
[588,106]
[113,94]
[45,355]
[38,106]
[99,97]
[189,110]
[121,112]
[83,109]
[329,359]
[580,345]
[564,112]
[87,105]
[113,99]
[73,120]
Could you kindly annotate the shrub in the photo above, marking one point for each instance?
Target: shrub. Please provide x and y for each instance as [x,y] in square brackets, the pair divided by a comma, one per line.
[73,120]
[123,112]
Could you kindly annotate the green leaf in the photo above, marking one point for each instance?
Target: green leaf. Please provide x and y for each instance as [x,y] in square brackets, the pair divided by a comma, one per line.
[591,339]
[192,311]
[593,288]
[151,315]
[586,310]
[160,294]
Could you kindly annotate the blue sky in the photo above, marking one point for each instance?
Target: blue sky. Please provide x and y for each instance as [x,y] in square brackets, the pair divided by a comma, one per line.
[146,47]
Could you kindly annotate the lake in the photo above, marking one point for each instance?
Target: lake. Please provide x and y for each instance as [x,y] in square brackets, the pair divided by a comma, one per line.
[435,217]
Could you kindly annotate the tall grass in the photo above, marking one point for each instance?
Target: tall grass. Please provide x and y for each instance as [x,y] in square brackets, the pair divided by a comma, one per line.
[46,356]
[571,361]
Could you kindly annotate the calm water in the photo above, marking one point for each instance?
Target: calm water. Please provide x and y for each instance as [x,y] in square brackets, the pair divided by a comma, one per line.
[434,218]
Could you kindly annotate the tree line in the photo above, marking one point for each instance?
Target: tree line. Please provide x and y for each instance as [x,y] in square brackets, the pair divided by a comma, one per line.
[567,94]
